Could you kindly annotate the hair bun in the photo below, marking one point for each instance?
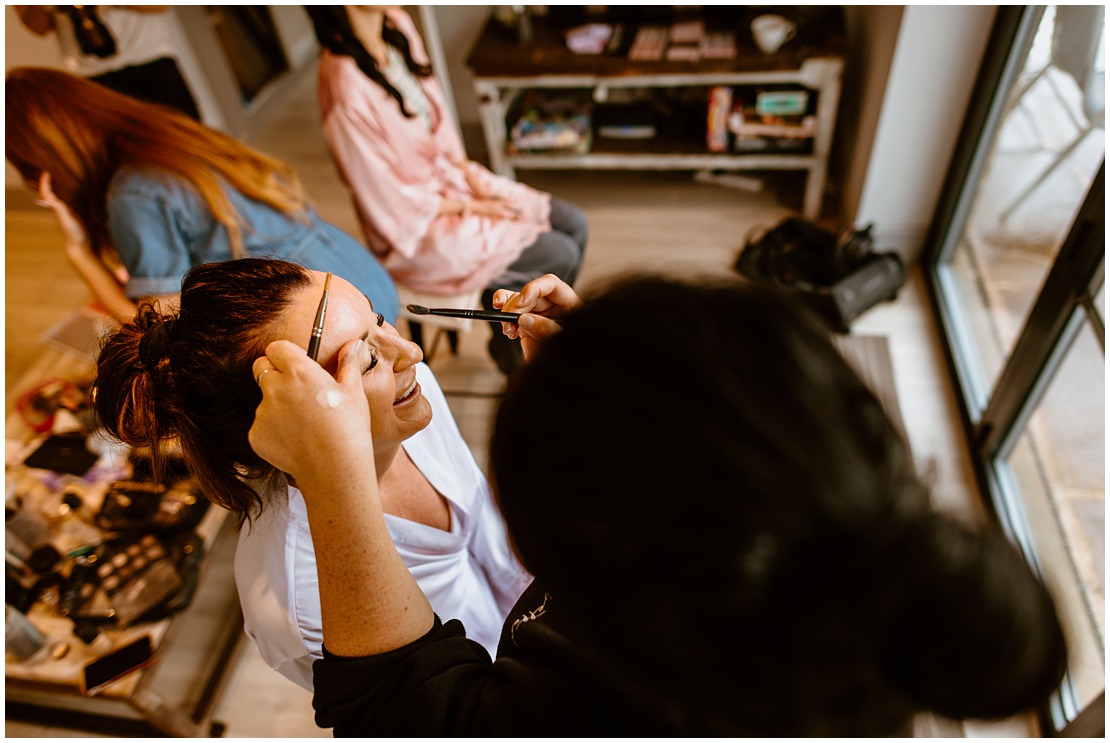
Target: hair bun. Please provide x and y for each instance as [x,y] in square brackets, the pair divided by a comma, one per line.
[157,337]
[977,635]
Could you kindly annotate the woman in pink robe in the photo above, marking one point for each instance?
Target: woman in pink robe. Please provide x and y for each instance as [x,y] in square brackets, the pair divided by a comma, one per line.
[439,222]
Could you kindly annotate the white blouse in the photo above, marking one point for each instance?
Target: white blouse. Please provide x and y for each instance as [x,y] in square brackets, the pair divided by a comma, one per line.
[468,573]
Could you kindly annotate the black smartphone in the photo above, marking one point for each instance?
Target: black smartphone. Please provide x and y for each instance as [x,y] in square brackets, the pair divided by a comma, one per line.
[62,453]
[115,665]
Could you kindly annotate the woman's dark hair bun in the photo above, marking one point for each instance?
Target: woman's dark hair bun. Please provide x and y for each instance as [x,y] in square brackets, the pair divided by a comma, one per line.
[976,634]
[134,399]
[157,337]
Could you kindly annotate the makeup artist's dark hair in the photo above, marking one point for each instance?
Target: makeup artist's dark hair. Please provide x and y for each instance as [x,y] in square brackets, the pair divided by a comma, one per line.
[185,376]
[335,33]
[730,519]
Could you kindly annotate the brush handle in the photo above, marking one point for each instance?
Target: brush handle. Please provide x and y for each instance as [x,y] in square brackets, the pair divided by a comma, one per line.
[487,315]
[314,345]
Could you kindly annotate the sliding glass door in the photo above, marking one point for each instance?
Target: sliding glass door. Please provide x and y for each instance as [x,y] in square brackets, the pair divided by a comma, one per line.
[1015,264]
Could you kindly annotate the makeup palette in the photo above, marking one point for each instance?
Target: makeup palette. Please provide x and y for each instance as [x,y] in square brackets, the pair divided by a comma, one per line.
[122,580]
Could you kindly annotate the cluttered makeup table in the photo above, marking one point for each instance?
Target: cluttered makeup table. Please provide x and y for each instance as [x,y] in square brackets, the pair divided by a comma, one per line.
[99,557]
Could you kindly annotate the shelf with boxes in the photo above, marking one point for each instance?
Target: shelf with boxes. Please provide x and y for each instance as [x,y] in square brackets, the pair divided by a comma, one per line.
[686,120]
[544,107]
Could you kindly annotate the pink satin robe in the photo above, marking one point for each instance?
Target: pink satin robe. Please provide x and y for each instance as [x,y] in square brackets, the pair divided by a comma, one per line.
[399,172]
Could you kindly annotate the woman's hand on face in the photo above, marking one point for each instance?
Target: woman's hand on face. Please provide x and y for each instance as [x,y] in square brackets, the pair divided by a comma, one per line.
[308,424]
[73,232]
[537,302]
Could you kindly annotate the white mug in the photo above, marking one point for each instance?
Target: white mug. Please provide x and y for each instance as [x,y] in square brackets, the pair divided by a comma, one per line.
[771,32]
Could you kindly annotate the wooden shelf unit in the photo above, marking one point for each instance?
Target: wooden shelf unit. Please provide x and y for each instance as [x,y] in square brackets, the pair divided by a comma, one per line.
[503,69]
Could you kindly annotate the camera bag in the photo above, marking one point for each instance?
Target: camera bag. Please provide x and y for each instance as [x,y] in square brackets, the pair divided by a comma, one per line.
[838,279]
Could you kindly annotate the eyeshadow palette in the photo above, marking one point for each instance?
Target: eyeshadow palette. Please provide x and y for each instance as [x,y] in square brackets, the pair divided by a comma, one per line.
[122,580]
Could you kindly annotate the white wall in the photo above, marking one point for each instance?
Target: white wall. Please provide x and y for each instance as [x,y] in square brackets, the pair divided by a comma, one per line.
[427,24]
[298,41]
[936,61]
[459,27]
[295,31]
[872,35]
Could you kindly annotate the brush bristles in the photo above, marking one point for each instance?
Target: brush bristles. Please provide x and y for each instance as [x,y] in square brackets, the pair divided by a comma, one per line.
[418,310]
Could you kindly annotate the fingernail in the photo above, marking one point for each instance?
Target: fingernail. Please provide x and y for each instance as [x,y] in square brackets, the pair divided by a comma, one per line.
[527,322]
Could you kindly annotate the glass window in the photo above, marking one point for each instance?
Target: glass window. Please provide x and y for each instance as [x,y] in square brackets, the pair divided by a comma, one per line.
[1017,274]
[1043,157]
[1057,472]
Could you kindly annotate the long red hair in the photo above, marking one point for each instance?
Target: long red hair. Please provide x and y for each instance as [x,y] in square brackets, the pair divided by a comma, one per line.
[81,133]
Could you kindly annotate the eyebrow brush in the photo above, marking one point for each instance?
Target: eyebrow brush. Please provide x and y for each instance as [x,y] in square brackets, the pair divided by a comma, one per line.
[318,323]
[487,315]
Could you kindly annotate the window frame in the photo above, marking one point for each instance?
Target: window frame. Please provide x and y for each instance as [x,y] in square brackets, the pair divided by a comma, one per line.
[994,417]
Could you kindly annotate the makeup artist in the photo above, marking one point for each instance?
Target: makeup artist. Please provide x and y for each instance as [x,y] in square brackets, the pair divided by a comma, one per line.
[726,530]
[441,223]
[142,193]
[186,376]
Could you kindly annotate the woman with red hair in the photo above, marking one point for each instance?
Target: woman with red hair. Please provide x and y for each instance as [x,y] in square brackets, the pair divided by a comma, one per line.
[143,188]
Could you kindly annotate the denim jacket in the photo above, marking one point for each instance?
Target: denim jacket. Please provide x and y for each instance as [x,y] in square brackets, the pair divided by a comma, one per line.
[162,227]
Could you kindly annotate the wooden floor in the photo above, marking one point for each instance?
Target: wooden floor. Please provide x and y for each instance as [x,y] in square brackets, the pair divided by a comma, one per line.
[663,222]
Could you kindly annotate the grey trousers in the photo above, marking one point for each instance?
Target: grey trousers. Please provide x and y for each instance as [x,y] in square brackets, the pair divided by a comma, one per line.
[559,251]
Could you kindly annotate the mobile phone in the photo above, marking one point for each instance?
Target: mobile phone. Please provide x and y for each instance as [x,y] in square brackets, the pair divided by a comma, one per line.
[63,453]
[115,665]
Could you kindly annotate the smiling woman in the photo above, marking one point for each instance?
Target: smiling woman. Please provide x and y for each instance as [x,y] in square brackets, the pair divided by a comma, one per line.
[397,409]
[187,375]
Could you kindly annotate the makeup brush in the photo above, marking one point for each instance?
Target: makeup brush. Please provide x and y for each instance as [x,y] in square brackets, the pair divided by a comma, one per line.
[318,323]
[487,315]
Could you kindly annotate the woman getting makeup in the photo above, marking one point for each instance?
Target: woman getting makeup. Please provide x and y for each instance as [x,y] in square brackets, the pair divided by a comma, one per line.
[186,374]
[726,529]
